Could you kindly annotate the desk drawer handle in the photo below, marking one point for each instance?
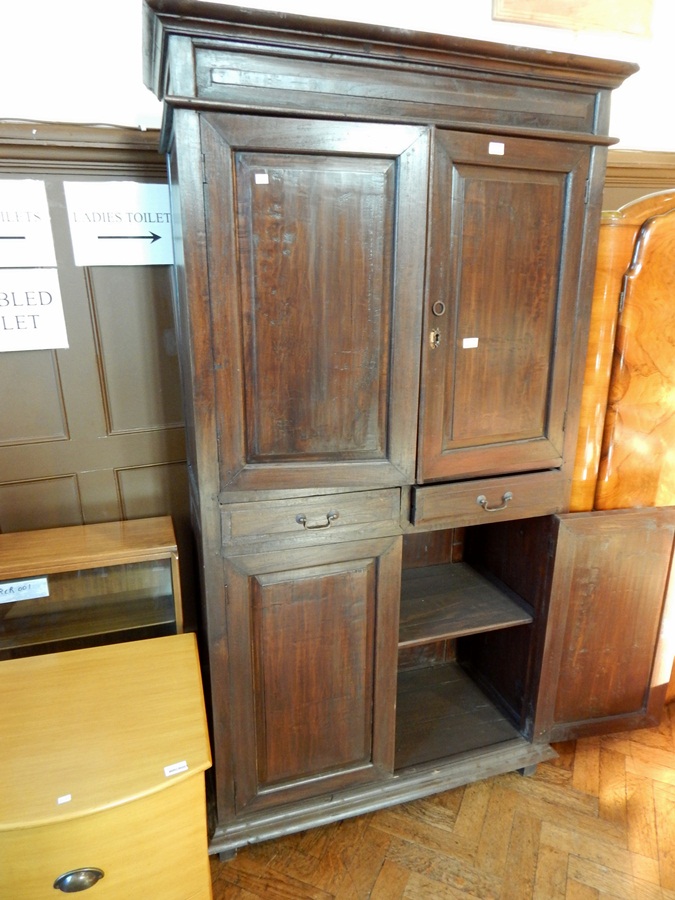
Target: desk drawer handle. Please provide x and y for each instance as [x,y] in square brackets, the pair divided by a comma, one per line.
[330,518]
[483,501]
[78,880]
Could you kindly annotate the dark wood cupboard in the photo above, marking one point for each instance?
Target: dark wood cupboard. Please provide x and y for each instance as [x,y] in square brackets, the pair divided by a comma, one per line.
[385,247]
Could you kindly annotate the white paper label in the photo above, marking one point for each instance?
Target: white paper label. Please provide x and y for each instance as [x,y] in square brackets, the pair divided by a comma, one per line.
[119,223]
[262,178]
[25,227]
[496,148]
[31,310]
[27,589]
[470,343]
[175,768]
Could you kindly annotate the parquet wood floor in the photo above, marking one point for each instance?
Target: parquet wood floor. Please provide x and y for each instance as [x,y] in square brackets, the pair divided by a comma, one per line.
[598,822]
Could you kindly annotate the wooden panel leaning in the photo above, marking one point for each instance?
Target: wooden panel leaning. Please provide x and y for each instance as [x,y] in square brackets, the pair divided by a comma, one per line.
[637,465]
[624,233]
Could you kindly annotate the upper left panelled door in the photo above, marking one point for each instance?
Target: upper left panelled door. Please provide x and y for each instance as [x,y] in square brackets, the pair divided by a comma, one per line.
[316,267]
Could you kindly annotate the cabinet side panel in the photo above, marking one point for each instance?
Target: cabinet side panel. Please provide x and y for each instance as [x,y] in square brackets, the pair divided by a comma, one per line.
[191,313]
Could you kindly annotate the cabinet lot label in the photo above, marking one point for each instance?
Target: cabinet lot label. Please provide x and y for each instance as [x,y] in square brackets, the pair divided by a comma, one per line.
[119,223]
[31,310]
[26,589]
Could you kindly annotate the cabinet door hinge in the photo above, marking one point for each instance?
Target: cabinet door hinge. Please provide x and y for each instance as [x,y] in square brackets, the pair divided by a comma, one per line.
[587,193]
[204,178]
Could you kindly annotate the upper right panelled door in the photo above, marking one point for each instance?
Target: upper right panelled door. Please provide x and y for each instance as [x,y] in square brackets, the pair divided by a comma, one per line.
[506,238]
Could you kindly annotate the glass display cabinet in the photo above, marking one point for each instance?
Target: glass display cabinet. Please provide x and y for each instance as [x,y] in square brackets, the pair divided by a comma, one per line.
[73,587]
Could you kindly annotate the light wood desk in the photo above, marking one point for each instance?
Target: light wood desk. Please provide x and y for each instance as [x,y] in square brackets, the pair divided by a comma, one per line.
[103,752]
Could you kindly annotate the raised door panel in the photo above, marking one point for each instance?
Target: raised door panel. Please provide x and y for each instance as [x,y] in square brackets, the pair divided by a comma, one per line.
[44,418]
[313,669]
[136,348]
[506,237]
[316,259]
[608,652]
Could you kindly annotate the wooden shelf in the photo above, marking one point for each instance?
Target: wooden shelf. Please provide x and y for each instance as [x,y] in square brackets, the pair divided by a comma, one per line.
[452,600]
[441,713]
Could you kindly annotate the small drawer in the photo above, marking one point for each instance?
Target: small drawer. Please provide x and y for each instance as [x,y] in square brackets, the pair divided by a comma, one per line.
[489,500]
[137,857]
[312,519]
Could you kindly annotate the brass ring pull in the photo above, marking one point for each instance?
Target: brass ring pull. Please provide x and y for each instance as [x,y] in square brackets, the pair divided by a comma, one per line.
[438,309]
[483,501]
[78,880]
[330,518]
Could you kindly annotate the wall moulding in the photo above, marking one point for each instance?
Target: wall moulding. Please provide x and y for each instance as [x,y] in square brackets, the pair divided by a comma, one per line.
[634,173]
[74,147]
[644,166]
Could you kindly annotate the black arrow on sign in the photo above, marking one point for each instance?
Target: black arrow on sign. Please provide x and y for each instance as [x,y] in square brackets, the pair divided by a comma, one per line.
[152,237]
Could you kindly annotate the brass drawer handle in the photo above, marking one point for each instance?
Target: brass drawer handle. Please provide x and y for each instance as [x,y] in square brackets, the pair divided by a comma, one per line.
[483,501]
[330,518]
[78,879]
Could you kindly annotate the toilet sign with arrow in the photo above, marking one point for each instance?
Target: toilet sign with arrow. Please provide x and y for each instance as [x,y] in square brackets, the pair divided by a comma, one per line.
[25,226]
[119,223]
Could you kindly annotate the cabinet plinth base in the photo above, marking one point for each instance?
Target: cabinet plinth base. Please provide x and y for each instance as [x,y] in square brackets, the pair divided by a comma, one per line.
[409,784]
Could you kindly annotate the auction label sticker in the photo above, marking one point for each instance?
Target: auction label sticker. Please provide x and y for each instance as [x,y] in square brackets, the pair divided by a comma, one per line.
[25,589]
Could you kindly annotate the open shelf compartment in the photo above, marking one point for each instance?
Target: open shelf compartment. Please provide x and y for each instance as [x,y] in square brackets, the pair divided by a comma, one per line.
[441,712]
[452,600]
